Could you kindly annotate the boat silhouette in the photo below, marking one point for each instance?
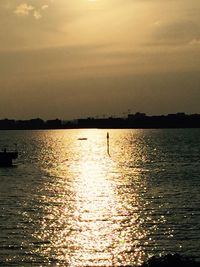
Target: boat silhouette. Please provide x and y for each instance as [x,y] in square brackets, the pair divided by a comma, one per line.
[7,157]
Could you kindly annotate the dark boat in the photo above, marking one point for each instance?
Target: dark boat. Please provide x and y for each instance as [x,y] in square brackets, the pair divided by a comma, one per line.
[6,157]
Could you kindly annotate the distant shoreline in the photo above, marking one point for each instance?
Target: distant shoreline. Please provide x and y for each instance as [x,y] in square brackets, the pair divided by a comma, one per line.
[98,128]
[132,121]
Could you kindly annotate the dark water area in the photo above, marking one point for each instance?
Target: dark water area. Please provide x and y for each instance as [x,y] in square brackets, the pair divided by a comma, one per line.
[66,202]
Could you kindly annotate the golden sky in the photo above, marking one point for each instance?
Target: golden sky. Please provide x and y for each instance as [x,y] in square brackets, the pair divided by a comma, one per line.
[77,58]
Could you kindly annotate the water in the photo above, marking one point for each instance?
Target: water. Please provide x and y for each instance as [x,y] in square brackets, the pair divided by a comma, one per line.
[67,203]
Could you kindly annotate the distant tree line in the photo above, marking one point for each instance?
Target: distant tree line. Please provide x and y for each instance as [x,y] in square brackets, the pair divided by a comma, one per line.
[141,120]
[137,120]
[32,124]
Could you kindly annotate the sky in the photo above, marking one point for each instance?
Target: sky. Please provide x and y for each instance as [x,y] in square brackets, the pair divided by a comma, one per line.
[77,58]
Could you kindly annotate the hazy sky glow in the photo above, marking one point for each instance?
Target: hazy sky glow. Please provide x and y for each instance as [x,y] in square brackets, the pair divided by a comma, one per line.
[77,58]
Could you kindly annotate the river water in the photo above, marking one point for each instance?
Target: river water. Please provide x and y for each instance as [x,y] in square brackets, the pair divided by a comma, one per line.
[66,202]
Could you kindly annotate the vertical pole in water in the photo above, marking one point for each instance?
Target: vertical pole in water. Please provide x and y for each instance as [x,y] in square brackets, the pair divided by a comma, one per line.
[108,144]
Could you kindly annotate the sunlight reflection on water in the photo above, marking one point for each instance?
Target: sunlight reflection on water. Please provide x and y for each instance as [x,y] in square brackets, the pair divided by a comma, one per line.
[75,205]
[96,219]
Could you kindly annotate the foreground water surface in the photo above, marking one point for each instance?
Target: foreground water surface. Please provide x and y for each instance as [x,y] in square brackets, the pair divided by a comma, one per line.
[66,202]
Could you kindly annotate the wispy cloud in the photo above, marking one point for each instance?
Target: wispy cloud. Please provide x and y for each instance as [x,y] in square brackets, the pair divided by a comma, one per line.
[44,7]
[26,10]
[37,14]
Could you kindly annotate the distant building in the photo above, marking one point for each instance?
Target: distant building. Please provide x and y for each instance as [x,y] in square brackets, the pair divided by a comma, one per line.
[137,115]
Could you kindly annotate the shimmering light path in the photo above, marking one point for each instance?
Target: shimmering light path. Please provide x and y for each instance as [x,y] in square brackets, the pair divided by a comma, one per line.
[69,204]
[90,223]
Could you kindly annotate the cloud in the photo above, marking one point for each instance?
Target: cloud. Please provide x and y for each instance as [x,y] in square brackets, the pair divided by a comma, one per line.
[24,9]
[37,14]
[44,7]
